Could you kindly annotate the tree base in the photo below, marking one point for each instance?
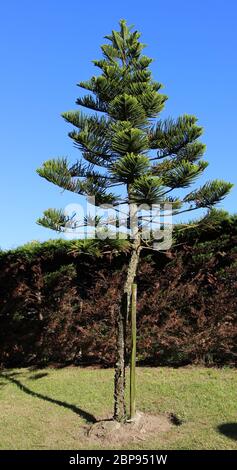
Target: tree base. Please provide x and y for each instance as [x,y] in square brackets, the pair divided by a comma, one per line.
[141,428]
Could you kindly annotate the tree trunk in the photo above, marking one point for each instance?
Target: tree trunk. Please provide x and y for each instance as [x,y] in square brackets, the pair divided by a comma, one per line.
[121,320]
[133,353]
[119,378]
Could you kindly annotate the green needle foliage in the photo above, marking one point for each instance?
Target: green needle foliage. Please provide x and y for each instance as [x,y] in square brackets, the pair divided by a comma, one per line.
[116,141]
[125,146]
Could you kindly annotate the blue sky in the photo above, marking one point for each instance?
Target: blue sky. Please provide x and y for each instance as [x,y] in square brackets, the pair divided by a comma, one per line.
[46,47]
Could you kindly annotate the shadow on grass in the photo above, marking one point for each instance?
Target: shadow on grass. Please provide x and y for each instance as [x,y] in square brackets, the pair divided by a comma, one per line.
[229,430]
[38,376]
[82,413]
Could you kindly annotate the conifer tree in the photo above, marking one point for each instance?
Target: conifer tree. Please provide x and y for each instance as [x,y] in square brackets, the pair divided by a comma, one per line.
[125,145]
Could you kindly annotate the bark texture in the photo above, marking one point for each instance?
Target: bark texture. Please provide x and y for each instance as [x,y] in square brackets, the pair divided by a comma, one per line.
[119,378]
[122,321]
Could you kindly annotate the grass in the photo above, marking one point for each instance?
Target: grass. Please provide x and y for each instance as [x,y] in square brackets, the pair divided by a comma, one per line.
[44,409]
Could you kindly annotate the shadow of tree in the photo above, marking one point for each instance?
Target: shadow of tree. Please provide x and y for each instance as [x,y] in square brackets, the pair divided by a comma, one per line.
[229,430]
[38,376]
[79,411]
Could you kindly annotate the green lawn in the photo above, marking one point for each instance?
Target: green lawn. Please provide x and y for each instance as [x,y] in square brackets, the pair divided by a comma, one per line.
[45,409]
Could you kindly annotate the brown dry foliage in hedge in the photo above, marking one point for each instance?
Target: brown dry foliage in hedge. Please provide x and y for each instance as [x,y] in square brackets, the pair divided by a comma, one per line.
[56,307]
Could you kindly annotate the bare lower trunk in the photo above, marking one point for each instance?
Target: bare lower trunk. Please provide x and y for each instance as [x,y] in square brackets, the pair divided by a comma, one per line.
[133,353]
[119,378]
[121,320]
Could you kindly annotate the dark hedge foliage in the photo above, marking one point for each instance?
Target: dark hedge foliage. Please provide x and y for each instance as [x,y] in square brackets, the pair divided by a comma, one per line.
[58,301]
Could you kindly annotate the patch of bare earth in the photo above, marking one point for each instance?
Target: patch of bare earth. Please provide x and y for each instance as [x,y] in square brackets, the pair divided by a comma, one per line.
[141,428]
